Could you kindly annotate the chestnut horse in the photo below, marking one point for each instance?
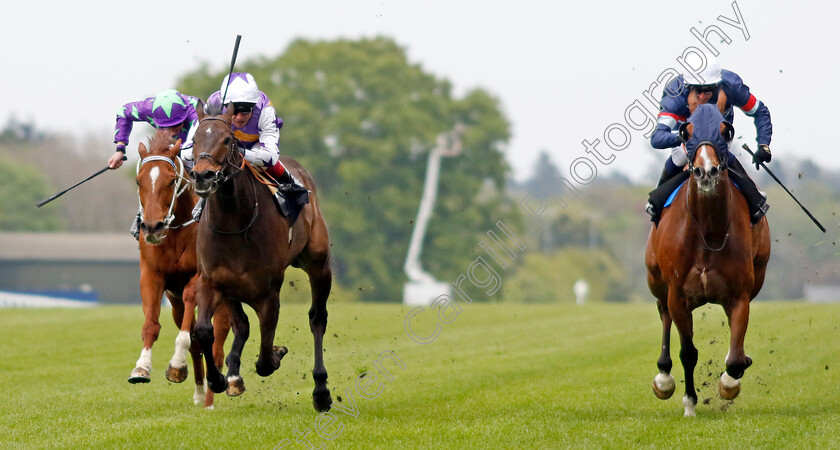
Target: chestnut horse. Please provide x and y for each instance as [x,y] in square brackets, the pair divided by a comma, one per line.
[244,247]
[168,262]
[705,251]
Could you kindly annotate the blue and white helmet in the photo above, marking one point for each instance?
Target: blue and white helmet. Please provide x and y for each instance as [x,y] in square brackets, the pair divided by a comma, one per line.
[242,89]
[708,76]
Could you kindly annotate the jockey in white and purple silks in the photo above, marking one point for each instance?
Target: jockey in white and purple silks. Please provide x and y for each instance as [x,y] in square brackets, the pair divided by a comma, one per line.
[699,89]
[256,127]
[168,110]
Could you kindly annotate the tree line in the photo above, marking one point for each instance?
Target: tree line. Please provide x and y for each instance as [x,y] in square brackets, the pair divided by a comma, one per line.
[362,119]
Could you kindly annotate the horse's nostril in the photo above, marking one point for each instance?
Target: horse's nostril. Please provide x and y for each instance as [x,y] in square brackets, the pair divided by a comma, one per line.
[204,176]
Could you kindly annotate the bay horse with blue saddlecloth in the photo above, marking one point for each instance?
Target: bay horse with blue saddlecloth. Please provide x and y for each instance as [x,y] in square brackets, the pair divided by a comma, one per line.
[244,246]
[168,263]
[705,250]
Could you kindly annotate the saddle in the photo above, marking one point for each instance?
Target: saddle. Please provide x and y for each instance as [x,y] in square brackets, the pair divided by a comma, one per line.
[290,198]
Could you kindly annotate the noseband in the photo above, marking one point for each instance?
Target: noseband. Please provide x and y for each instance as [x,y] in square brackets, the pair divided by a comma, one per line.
[181,185]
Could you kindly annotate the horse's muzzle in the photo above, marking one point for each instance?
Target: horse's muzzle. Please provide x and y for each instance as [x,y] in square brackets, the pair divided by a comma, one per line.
[153,235]
[707,178]
[205,182]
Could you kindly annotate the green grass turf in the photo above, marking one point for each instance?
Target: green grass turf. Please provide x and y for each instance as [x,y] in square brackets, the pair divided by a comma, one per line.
[497,376]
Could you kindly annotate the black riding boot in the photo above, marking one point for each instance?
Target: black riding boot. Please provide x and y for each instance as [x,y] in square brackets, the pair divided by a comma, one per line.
[668,182]
[756,200]
[295,192]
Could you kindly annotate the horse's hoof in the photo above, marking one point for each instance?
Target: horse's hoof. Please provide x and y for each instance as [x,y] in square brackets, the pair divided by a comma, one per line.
[139,375]
[663,386]
[177,374]
[236,386]
[277,354]
[322,401]
[217,386]
[728,387]
[200,395]
[689,404]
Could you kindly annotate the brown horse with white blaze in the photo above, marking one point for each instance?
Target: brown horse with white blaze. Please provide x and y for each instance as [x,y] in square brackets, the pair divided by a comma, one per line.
[244,246]
[705,250]
[168,263]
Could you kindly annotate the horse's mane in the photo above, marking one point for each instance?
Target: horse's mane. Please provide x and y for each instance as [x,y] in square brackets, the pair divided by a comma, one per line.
[160,142]
[213,109]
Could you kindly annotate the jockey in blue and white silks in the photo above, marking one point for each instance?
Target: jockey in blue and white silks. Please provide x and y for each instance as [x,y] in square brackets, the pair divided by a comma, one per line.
[681,96]
[675,100]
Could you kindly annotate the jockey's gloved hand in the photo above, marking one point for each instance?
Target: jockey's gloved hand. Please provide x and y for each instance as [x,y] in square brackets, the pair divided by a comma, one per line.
[762,155]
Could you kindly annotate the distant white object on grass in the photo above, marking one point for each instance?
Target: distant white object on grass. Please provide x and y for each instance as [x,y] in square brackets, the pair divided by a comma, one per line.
[422,288]
[581,289]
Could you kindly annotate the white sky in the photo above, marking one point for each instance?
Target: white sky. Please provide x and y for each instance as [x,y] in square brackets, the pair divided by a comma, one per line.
[564,71]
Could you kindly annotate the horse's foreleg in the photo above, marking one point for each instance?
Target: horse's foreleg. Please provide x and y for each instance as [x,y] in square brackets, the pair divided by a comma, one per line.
[663,383]
[221,327]
[736,360]
[207,300]
[270,355]
[183,312]
[320,281]
[241,331]
[681,316]
[151,292]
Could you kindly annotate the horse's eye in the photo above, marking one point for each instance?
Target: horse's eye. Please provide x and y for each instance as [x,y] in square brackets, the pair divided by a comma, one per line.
[172,182]
[227,141]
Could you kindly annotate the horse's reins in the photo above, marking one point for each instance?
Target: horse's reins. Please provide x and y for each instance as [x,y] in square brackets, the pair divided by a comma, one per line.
[229,162]
[720,167]
[180,188]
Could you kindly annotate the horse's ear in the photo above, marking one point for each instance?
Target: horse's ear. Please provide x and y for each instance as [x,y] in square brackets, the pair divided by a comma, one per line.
[199,110]
[141,149]
[685,131]
[175,149]
[228,115]
[727,131]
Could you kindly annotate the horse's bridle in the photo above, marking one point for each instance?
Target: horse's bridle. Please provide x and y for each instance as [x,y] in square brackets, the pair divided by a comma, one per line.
[182,183]
[221,177]
[230,158]
[714,172]
[696,171]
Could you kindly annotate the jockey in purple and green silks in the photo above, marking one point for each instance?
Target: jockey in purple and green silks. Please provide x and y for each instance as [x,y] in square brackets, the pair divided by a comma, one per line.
[168,110]
[706,87]
[255,126]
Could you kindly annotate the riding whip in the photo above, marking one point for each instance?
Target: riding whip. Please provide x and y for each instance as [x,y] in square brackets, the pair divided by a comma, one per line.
[44,202]
[232,62]
[817,222]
